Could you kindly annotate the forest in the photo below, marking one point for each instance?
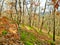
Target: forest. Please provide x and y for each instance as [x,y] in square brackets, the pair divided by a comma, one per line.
[29,22]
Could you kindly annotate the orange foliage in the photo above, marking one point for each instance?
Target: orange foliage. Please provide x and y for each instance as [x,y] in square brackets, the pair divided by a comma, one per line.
[56,5]
[14,36]
[12,28]
[4,20]
[53,1]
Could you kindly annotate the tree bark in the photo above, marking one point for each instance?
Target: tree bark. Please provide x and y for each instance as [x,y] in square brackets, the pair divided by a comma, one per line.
[54,26]
[1,7]
[30,16]
[20,11]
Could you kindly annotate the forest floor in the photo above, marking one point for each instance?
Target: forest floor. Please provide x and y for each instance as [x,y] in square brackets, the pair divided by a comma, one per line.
[26,35]
[42,36]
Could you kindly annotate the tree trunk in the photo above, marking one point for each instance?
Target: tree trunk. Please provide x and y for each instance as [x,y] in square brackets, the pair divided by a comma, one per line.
[54,26]
[20,11]
[30,16]
[39,17]
[42,23]
[1,7]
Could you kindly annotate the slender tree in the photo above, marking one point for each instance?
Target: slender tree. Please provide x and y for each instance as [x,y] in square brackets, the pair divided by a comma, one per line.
[1,7]
[34,14]
[23,11]
[55,4]
[20,11]
[30,15]
[43,17]
[39,16]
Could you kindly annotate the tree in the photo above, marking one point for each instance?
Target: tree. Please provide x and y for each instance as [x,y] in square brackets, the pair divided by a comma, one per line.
[39,16]
[20,11]
[1,7]
[23,11]
[43,17]
[55,4]
[30,15]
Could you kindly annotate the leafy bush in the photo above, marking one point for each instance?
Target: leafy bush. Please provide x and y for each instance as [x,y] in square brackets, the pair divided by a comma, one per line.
[4,32]
[23,36]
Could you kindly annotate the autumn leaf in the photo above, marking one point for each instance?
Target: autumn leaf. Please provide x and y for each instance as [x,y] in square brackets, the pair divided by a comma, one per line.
[56,5]
[53,1]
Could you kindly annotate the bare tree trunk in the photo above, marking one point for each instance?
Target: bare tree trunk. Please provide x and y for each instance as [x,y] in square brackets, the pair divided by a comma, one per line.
[43,18]
[20,11]
[16,12]
[30,16]
[1,7]
[39,17]
[27,13]
[23,11]
[11,13]
[16,6]
[54,26]
[34,16]
[49,25]
[42,24]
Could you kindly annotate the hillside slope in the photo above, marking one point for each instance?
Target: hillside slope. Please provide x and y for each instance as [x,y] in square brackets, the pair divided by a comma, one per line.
[26,35]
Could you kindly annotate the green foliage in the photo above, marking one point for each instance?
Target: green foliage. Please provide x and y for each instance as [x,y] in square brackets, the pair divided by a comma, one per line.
[30,27]
[50,35]
[23,36]
[46,26]
[4,32]
[28,38]
[28,43]
[51,42]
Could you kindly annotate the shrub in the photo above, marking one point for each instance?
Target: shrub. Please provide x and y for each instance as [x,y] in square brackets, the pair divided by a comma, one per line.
[4,32]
